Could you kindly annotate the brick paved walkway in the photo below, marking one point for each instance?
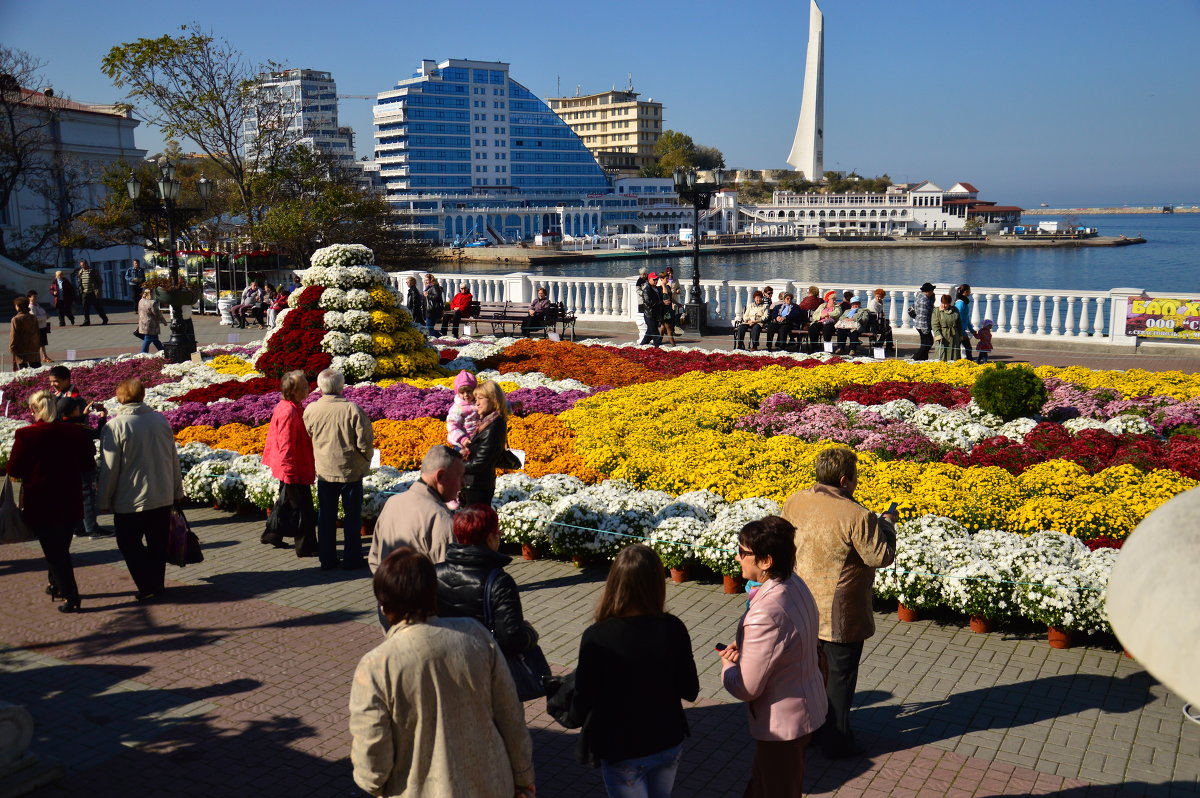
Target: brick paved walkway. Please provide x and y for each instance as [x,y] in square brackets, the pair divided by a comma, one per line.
[236,683]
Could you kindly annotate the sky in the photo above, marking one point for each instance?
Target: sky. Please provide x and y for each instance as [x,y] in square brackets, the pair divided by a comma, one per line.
[1068,102]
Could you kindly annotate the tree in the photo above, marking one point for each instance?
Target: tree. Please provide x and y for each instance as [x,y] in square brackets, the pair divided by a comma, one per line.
[200,88]
[675,150]
[29,160]
[313,202]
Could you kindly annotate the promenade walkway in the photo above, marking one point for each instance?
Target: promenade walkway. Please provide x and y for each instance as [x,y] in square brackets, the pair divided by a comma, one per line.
[117,338]
[236,683]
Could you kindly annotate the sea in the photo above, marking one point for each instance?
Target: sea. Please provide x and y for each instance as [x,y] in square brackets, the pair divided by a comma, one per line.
[1169,263]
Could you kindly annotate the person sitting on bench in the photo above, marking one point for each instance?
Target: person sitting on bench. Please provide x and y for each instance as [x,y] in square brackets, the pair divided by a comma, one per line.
[541,314]
[782,319]
[753,318]
[460,308]
[820,326]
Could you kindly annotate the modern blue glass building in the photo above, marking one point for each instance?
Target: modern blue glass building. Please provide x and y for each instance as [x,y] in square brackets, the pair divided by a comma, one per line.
[460,137]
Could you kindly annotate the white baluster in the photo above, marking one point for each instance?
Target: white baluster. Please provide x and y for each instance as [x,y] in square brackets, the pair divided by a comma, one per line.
[1054,316]
[1041,316]
[1027,322]
[975,320]
[1069,326]
[905,322]
[988,307]
[1098,321]
[1014,314]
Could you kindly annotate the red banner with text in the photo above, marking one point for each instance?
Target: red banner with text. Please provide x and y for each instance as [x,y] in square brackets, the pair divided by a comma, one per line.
[1163,318]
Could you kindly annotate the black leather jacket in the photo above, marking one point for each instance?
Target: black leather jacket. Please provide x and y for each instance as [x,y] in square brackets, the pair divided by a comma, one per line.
[486,448]
[461,578]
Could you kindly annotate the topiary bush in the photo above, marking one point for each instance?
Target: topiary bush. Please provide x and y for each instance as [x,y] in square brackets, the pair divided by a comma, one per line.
[1009,391]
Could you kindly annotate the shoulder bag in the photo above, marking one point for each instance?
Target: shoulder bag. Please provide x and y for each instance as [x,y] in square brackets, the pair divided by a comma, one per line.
[528,668]
[13,528]
[183,547]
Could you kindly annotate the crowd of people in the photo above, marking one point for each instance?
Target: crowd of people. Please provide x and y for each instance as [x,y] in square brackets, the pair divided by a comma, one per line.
[794,657]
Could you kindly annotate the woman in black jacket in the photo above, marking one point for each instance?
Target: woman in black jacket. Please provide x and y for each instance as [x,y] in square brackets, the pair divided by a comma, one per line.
[464,573]
[435,303]
[414,300]
[635,666]
[488,444]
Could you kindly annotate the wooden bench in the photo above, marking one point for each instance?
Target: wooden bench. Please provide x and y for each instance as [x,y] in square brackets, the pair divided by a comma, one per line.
[798,340]
[512,315]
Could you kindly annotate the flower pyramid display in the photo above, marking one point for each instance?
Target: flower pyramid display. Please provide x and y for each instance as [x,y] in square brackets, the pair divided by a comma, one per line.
[346,316]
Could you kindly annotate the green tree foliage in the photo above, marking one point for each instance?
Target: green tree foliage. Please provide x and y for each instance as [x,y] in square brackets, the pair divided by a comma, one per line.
[1009,391]
[197,87]
[312,202]
[856,183]
[675,150]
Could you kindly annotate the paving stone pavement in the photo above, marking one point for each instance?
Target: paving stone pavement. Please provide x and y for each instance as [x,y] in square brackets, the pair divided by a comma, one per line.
[236,683]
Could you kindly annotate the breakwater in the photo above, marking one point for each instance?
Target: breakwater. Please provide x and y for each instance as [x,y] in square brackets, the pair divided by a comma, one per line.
[1105,211]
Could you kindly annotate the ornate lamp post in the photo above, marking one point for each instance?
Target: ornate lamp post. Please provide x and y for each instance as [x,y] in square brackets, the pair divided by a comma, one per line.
[700,195]
[183,337]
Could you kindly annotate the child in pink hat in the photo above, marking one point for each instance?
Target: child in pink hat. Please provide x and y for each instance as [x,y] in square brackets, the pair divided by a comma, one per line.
[462,418]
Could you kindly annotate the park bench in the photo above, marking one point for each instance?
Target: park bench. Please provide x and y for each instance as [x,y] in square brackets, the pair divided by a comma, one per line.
[507,316]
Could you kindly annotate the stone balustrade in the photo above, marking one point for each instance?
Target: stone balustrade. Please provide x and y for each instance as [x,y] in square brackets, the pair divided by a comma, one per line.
[1096,316]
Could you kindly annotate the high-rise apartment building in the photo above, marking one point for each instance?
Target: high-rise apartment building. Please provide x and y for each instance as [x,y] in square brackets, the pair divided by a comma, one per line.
[305,100]
[462,126]
[616,126]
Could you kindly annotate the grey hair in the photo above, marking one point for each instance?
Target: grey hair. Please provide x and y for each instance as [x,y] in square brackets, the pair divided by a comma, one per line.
[294,383]
[331,381]
[439,458]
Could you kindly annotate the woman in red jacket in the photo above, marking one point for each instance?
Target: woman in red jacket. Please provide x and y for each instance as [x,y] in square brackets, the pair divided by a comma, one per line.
[49,458]
[289,453]
[460,308]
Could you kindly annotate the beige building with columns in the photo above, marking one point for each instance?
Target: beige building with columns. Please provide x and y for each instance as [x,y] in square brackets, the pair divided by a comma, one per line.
[618,128]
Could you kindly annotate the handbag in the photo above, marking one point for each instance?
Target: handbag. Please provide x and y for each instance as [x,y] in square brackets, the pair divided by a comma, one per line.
[509,461]
[13,528]
[912,313]
[528,668]
[183,547]
[560,700]
[139,336]
[846,323]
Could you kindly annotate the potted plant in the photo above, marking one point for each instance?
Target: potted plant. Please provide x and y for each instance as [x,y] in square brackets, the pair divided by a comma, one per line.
[528,523]
[675,539]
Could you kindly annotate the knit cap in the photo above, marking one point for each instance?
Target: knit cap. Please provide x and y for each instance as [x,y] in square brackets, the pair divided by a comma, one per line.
[465,379]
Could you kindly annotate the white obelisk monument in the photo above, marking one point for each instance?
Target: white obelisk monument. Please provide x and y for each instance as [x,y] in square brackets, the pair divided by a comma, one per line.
[808,148]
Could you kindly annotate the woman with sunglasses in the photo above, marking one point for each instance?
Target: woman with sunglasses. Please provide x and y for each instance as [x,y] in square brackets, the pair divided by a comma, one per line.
[776,664]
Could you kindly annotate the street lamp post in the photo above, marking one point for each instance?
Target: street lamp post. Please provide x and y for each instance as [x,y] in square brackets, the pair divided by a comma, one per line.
[700,195]
[183,336]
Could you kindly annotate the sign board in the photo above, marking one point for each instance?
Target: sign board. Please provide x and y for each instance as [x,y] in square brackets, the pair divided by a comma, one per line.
[1163,318]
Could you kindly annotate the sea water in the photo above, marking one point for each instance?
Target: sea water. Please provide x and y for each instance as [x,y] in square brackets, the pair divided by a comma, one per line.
[1169,263]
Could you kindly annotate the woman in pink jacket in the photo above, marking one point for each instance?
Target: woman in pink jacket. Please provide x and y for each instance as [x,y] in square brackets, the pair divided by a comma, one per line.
[776,664]
[289,453]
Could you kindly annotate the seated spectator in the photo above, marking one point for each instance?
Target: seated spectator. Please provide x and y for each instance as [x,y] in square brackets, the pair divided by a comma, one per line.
[752,321]
[541,312]
[812,300]
[466,582]
[849,325]
[820,325]
[460,308]
[782,320]
[251,296]
[277,306]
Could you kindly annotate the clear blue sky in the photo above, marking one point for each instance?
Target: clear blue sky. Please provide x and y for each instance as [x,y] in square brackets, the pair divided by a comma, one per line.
[1069,102]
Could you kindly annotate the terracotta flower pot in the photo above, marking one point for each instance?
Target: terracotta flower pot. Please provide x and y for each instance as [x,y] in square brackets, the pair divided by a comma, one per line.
[579,562]
[733,584]
[679,575]
[529,552]
[1059,638]
[907,614]
[980,625]
[368,527]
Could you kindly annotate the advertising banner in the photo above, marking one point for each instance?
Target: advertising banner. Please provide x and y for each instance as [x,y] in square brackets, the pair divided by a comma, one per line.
[1163,318]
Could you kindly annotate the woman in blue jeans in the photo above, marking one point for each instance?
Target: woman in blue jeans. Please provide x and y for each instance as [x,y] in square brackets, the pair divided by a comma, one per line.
[150,321]
[635,667]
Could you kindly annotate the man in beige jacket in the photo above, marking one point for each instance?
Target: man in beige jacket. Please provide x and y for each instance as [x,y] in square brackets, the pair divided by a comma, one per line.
[839,544]
[418,517]
[342,440]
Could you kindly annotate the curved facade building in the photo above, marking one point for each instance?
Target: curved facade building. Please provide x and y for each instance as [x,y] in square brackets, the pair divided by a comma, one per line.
[466,127]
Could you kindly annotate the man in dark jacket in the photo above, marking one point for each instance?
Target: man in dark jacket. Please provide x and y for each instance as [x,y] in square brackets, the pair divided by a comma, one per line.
[921,311]
[467,587]
[652,301]
[62,292]
[90,289]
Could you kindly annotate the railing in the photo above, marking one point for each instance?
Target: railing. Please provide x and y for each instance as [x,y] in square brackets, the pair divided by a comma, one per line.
[1097,316]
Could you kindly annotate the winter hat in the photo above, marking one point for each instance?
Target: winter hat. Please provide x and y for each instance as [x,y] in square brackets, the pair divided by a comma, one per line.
[830,294]
[926,287]
[465,379]
[987,323]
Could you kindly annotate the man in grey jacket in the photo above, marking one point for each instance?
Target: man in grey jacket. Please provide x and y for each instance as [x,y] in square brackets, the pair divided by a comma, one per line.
[419,517]
[140,481]
[922,310]
[342,440]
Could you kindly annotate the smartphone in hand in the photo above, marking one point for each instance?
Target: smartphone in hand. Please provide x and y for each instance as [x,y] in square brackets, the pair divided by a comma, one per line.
[720,647]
